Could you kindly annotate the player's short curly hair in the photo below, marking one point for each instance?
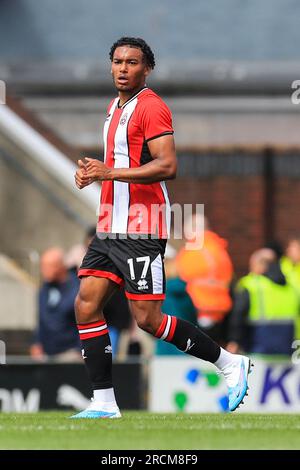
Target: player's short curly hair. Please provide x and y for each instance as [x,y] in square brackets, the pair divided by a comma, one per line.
[135,42]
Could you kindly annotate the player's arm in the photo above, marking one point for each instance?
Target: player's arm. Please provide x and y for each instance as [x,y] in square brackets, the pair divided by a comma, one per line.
[162,167]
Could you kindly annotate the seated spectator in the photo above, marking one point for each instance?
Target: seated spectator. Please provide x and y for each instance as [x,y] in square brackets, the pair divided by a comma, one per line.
[265,309]
[56,335]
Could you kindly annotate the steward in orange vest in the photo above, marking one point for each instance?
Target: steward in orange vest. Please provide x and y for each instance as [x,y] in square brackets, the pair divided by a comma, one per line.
[208,273]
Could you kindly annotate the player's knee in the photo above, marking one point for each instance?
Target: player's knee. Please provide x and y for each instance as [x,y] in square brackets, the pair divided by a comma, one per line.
[148,320]
[84,309]
[144,322]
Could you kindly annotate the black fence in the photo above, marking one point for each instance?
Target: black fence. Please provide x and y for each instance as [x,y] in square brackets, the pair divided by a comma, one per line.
[35,387]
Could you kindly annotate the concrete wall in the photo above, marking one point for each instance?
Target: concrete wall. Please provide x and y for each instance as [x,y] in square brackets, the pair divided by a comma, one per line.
[36,210]
[81,29]
[18,295]
[198,122]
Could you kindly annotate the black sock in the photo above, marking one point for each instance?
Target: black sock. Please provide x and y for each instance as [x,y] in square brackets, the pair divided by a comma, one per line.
[188,338]
[97,353]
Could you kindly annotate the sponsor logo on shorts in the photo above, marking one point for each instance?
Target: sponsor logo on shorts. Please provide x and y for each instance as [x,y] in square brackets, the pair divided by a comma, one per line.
[142,284]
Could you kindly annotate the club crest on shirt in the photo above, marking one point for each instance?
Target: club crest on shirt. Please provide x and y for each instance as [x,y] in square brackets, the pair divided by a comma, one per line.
[123,119]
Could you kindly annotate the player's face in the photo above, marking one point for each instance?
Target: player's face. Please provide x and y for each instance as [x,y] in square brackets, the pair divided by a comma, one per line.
[129,69]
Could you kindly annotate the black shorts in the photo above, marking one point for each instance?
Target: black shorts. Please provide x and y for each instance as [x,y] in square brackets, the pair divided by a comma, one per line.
[135,263]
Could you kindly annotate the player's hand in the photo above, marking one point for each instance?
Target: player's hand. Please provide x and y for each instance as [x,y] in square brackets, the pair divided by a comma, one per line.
[81,178]
[96,170]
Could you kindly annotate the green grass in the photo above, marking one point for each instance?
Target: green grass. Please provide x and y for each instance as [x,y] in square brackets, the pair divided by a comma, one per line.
[142,430]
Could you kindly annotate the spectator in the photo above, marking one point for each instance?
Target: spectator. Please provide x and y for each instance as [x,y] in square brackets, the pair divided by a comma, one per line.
[56,335]
[290,265]
[207,270]
[265,308]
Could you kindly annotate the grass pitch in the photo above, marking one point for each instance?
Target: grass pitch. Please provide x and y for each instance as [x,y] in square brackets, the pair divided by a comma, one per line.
[143,430]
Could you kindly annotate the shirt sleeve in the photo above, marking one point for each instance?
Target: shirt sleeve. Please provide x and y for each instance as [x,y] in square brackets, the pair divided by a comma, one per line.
[156,120]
